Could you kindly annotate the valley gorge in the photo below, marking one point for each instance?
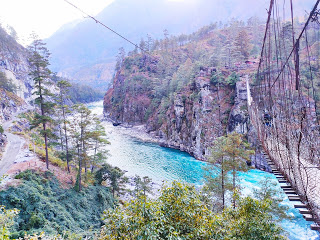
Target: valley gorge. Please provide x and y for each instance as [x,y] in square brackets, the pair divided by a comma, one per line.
[186,131]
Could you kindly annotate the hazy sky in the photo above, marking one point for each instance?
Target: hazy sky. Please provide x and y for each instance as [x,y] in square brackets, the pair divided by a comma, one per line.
[44,16]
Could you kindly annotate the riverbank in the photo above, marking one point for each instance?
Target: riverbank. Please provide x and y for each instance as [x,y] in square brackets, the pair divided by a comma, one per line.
[140,133]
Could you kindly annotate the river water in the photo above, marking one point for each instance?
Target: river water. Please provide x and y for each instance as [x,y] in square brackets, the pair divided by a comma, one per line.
[164,164]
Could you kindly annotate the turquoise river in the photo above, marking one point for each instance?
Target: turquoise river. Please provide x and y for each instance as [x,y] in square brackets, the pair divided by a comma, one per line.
[164,164]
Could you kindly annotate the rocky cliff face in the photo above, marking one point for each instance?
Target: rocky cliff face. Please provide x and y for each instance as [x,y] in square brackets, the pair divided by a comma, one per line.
[15,66]
[196,116]
[185,93]
[239,116]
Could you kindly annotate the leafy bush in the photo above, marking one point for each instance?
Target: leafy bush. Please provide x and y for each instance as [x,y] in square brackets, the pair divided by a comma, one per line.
[233,79]
[216,78]
[45,206]
[180,213]
[6,221]
[1,129]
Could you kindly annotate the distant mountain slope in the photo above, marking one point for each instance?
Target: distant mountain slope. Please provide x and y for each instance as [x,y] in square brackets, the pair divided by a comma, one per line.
[86,51]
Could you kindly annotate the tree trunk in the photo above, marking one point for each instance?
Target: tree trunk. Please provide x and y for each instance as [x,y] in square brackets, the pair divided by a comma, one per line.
[80,168]
[65,134]
[44,125]
[222,184]
[46,145]
[94,156]
[234,186]
[85,162]
[61,138]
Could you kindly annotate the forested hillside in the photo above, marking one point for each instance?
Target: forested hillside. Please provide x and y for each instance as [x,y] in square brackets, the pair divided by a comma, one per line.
[85,52]
[183,88]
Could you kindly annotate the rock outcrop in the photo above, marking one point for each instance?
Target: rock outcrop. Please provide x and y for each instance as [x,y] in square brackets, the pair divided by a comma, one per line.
[239,116]
[15,66]
[197,115]
[195,119]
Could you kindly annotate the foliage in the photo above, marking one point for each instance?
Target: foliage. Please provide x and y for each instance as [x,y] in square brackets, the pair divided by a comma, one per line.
[242,44]
[87,137]
[216,78]
[268,191]
[6,84]
[1,129]
[179,213]
[142,186]
[6,221]
[46,207]
[250,220]
[230,154]
[40,73]
[233,79]
[112,177]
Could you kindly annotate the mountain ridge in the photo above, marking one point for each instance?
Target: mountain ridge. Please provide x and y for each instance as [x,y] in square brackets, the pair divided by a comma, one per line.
[89,46]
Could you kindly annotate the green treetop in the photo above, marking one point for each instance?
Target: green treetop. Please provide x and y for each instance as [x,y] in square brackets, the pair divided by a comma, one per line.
[40,73]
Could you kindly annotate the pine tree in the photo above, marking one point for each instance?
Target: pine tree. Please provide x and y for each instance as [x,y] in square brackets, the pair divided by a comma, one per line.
[88,140]
[242,45]
[142,185]
[98,142]
[238,154]
[120,58]
[80,126]
[218,183]
[63,86]
[229,154]
[40,73]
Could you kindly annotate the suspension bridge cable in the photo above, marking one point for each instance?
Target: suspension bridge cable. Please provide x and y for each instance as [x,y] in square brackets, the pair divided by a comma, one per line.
[105,26]
[297,41]
[265,33]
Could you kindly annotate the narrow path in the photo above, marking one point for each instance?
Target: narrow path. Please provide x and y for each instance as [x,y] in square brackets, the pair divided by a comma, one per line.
[13,148]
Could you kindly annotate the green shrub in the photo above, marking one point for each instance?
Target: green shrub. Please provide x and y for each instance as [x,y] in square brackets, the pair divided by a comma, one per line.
[233,79]
[46,207]
[1,129]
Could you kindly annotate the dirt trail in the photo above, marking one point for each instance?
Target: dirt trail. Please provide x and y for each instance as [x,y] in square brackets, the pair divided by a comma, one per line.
[14,146]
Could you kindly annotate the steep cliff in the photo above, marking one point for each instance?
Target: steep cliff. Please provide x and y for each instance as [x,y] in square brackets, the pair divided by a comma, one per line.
[15,88]
[196,115]
[15,84]
[186,94]
[195,118]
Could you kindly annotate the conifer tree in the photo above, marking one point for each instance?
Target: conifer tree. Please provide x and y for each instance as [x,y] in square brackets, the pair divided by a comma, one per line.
[98,142]
[229,155]
[238,154]
[88,140]
[80,134]
[242,44]
[218,183]
[63,86]
[40,73]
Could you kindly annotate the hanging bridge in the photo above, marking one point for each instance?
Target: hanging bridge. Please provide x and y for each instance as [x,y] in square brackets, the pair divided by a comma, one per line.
[283,103]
